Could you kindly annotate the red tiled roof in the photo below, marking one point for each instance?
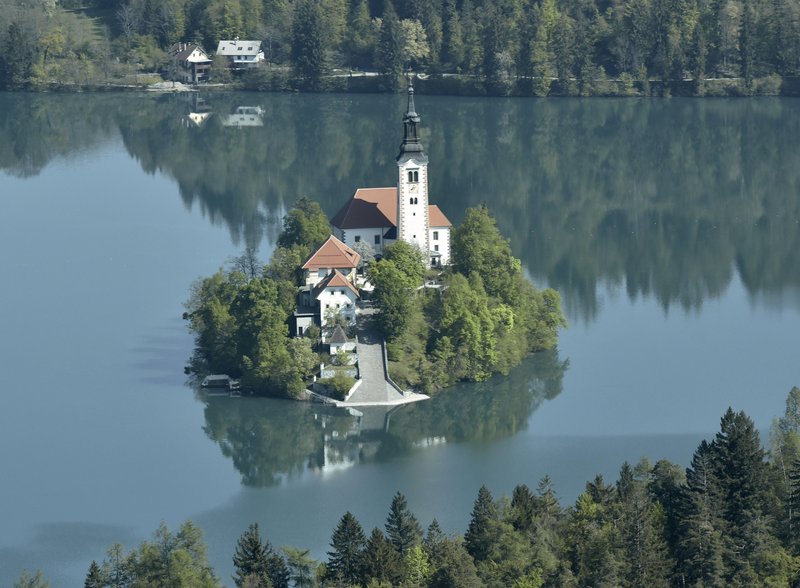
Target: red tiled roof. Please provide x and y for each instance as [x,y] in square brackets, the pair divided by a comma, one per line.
[377,208]
[335,279]
[332,253]
[437,217]
[368,208]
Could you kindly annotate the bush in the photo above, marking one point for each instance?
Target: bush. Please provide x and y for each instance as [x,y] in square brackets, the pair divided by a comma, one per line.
[339,385]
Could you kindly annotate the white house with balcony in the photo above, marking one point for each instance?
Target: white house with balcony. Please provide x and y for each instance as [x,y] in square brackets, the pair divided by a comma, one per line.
[241,54]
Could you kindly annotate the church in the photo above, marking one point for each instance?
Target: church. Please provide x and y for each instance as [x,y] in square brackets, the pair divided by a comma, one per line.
[381,216]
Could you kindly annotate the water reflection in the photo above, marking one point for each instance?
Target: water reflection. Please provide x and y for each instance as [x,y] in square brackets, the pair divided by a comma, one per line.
[660,198]
[270,441]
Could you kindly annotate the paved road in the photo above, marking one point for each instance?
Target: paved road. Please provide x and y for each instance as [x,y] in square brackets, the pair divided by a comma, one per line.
[374,388]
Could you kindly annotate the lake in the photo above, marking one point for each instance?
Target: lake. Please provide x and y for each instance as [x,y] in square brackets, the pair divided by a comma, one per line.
[670,227]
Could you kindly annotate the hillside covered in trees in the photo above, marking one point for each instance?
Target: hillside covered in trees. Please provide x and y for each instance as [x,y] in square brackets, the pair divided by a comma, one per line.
[524,47]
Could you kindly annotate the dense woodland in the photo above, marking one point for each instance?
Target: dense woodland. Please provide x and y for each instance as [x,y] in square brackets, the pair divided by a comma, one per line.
[728,520]
[485,319]
[524,47]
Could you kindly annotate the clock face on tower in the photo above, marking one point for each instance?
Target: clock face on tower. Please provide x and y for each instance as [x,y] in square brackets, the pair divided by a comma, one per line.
[412,188]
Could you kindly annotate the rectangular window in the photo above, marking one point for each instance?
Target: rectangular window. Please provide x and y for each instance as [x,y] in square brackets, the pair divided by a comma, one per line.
[436,235]
[358,238]
[436,248]
[377,239]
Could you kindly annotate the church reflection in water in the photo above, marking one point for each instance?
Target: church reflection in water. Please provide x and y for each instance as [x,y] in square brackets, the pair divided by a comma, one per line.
[271,441]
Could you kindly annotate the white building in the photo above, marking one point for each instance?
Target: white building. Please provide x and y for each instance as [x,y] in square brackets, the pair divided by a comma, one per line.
[380,216]
[335,294]
[193,63]
[241,54]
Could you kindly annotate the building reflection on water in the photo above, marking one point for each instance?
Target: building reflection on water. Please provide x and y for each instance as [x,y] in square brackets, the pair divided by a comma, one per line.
[271,441]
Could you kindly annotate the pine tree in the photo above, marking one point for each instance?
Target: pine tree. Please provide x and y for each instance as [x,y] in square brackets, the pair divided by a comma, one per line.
[700,551]
[523,508]
[402,526]
[643,544]
[381,561]
[482,531]
[16,58]
[345,561]
[434,539]
[452,36]
[309,45]
[255,558]
[389,59]
[95,577]
[747,45]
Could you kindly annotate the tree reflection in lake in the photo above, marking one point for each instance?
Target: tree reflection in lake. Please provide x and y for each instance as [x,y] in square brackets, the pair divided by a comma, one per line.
[663,198]
[271,440]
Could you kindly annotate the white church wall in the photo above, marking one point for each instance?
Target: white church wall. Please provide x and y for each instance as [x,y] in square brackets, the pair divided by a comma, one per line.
[439,240]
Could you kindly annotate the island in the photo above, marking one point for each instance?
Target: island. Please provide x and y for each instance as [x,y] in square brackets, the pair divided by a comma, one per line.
[385,298]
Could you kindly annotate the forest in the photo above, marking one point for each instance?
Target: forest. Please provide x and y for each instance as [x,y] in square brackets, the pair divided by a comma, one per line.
[729,519]
[496,47]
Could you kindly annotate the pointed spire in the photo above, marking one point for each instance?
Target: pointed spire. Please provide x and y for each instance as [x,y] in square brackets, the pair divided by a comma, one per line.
[411,113]
[411,146]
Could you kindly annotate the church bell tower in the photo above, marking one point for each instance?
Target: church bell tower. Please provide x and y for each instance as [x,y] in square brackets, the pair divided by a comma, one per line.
[412,185]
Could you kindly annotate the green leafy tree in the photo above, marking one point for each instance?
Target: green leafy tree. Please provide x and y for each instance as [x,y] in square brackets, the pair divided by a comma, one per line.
[478,247]
[346,558]
[409,259]
[305,225]
[394,297]
[301,567]
[417,566]
[452,566]
[28,580]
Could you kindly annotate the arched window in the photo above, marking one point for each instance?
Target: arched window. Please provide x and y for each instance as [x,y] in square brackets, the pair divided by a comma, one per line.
[411,201]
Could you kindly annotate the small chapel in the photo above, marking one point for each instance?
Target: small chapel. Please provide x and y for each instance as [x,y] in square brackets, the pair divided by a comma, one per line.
[381,216]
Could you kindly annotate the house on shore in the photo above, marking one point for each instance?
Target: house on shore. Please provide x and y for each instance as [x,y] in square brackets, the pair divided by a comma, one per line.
[192,62]
[240,54]
[381,216]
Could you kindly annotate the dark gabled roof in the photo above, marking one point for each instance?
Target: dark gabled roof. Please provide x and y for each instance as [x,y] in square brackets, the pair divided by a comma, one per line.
[368,208]
[182,51]
[338,335]
[376,208]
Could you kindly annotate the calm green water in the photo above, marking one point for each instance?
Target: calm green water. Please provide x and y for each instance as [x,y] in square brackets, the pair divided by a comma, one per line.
[671,228]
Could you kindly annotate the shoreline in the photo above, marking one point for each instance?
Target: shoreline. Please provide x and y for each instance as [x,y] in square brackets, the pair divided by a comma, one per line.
[452,85]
